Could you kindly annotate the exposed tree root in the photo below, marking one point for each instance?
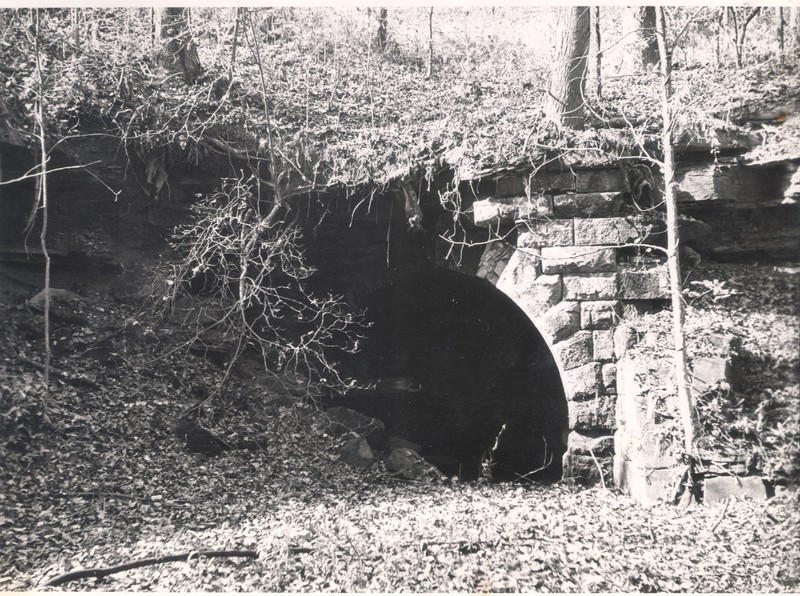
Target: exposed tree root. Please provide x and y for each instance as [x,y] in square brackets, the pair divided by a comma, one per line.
[101,572]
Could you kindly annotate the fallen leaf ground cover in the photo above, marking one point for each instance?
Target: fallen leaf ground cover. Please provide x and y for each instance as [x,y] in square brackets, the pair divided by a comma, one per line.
[94,477]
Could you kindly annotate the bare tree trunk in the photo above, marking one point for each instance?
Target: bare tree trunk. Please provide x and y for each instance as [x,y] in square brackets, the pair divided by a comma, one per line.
[639,42]
[383,27]
[76,28]
[740,31]
[94,30]
[233,47]
[649,50]
[179,52]
[565,99]
[273,164]
[430,44]
[794,20]
[42,193]
[153,28]
[598,63]
[718,46]
[781,46]
[673,242]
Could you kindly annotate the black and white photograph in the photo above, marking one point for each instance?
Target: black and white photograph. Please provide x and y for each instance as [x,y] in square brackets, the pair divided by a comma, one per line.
[450,298]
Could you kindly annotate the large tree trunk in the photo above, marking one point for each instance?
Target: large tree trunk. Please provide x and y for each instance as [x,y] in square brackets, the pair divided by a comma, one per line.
[794,19]
[565,99]
[383,27]
[178,51]
[641,46]
[649,50]
[598,58]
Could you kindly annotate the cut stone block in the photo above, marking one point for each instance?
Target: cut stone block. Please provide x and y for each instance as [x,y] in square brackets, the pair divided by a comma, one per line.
[545,181]
[608,230]
[581,383]
[593,415]
[520,272]
[601,180]
[708,374]
[624,337]
[719,488]
[539,206]
[542,294]
[646,486]
[726,344]
[600,286]
[643,285]
[561,321]
[600,314]
[638,408]
[584,468]
[593,204]
[510,186]
[573,259]
[555,232]
[609,376]
[574,351]
[491,213]
[603,345]
[584,444]
[494,260]
[495,212]
[539,296]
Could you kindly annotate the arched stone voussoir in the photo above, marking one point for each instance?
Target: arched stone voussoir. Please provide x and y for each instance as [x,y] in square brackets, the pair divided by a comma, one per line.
[568,328]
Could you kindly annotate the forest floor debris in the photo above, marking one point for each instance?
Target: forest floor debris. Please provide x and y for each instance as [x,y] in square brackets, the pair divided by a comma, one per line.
[98,479]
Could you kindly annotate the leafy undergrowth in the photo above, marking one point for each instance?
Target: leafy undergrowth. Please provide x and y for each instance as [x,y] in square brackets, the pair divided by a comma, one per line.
[759,422]
[345,113]
[97,479]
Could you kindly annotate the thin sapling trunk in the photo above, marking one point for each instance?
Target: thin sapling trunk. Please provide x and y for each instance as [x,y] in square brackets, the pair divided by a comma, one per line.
[42,194]
[685,405]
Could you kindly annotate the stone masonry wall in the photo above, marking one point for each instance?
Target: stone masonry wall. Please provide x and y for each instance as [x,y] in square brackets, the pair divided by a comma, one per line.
[570,274]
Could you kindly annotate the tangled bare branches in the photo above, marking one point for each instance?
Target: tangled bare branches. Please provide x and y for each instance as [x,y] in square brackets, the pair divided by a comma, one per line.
[243,253]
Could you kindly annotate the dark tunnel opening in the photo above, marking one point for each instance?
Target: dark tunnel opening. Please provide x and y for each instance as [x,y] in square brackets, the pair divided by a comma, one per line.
[455,361]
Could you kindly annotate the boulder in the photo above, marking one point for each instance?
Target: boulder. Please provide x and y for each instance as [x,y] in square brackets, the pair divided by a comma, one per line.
[65,306]
[447,464]
[405,463]
[344,420]
[398,443]
[356,453]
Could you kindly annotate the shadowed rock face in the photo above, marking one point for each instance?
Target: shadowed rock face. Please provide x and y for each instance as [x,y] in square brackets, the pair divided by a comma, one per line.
[479,364]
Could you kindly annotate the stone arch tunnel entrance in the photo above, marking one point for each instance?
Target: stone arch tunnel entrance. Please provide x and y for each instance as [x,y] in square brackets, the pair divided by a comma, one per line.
[456,361]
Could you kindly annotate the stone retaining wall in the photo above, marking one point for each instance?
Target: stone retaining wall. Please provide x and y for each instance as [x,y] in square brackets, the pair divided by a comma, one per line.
[569,272]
